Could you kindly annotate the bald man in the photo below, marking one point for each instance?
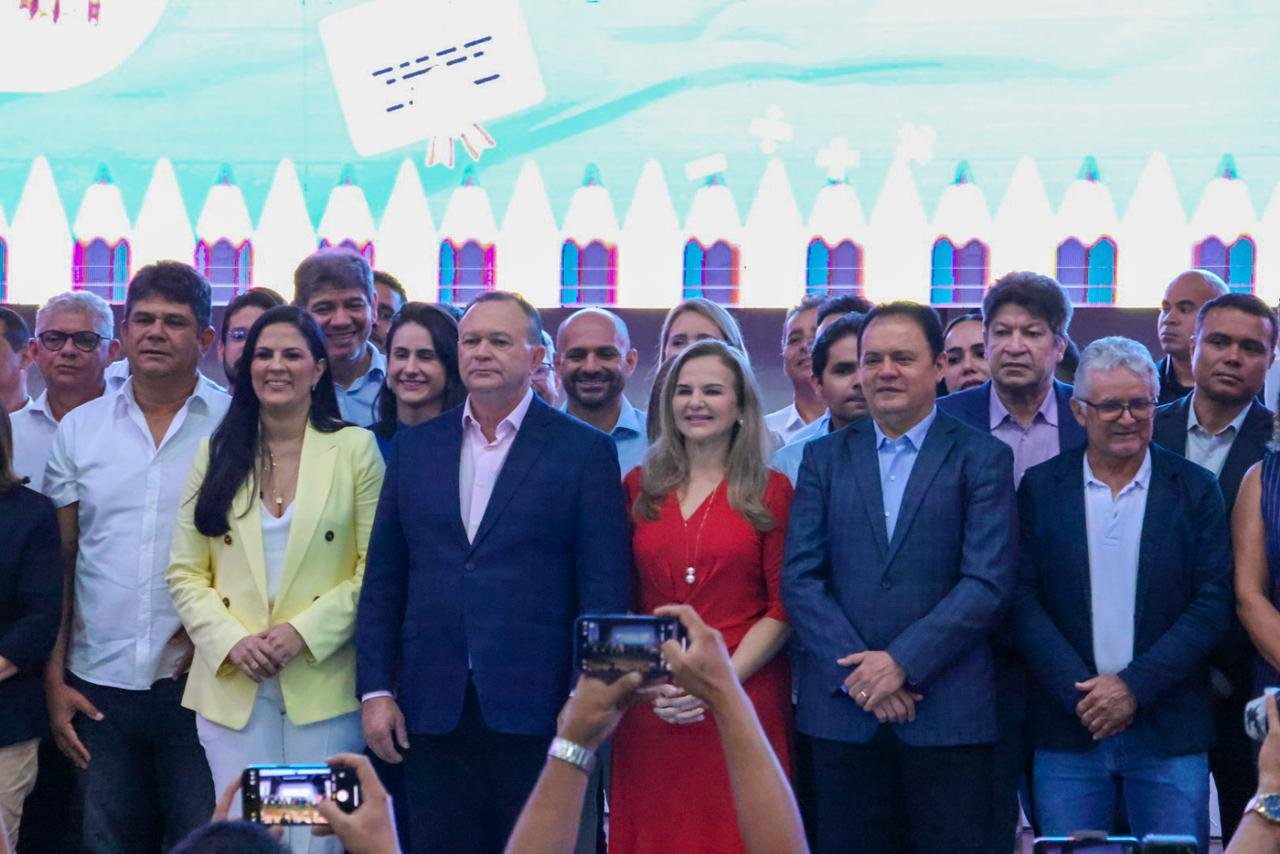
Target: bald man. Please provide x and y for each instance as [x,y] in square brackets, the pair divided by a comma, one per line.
[1177,325]
[594,358]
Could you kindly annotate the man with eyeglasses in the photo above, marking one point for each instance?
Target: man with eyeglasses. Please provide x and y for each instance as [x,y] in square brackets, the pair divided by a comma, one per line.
[240,315]
[73,344]
[1124,591]
[1221,426]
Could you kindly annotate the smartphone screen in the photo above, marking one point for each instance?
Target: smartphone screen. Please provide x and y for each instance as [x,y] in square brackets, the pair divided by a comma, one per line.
[288,794]
[614,644]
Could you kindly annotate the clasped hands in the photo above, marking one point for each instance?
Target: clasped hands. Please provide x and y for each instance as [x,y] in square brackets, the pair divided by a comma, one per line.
[1108,706]
[265,654]
[876,685]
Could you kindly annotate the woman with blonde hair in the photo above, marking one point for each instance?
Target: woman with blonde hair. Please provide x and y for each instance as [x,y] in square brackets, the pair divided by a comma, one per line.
[709,520]
[692,320]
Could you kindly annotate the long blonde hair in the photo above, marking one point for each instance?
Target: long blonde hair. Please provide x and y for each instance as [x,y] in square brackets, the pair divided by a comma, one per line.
[666,465]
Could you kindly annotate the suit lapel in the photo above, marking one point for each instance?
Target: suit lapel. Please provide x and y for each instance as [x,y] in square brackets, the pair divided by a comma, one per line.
[1174,433]
[525,448]
[1162,504]
[315,479]
[860,446]
[1249,446]
[449,456]
[246,525]
[937,445]
[1070,530]
[1070,434]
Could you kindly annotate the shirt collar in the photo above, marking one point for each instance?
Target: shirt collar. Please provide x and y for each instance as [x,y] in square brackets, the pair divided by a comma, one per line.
[205,394]
[791,415]
[629,420]
[40,407]
[1142,478]
[999,413]
[513,420]
[914,436]
[1193,423]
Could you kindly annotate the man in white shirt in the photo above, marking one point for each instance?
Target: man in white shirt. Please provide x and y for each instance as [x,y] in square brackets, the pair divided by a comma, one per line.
[1124,591]
[1222,427]
[116,473]
[474,577]
[594,362]
[335,286]
[15,358]
[74,343]
[798,333]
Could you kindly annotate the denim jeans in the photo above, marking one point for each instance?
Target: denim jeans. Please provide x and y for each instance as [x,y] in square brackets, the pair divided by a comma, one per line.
[1160,794]
[148,784]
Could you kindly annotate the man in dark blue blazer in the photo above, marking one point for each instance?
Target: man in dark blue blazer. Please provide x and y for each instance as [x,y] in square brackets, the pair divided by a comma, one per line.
[900,558]
[1124,590]
[1025,319]
[1221,426]
[500,521]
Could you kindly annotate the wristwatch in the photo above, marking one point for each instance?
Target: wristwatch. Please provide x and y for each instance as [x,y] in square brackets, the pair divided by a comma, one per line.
[585,760]
[1265,805]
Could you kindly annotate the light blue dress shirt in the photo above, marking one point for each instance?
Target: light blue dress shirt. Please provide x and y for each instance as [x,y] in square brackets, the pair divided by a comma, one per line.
[897,459]
[630,435]
[1114,530]
[357,402]
[788,458]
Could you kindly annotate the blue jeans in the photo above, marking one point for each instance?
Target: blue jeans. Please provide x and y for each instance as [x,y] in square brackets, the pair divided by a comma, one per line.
[1161,794]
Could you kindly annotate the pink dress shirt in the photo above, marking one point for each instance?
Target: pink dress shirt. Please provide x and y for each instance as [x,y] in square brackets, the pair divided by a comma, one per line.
[1032,445]
[482,460]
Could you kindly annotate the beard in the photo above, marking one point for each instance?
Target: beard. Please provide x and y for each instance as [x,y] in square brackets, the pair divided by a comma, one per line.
[613,384]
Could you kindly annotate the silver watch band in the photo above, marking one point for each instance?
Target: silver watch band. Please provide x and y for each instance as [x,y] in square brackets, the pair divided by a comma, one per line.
[575,754]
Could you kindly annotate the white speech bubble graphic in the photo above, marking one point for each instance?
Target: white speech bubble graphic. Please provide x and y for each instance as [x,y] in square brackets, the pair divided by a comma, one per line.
[409,71]
[43,53]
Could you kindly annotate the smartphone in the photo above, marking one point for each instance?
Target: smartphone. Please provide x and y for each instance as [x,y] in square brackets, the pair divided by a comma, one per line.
[1154,843]
[1255,715]
[612,645]
[288,794]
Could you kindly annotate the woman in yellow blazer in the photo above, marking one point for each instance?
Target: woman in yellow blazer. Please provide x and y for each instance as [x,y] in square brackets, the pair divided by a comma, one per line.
[268,557]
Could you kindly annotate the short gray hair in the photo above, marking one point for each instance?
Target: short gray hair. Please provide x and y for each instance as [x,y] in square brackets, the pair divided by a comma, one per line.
[1112,352]
[82,302]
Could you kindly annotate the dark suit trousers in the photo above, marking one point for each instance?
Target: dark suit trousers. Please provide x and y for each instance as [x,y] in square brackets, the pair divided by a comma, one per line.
[1232,761]
[884,796]
[466,789]
[148,783]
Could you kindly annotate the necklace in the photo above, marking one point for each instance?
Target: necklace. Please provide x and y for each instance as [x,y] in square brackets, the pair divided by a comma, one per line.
[690,572]
[271,476]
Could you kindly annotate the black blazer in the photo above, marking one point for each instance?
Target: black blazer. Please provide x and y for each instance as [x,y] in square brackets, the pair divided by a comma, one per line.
[1183,605]
[30,607]
[1249,446]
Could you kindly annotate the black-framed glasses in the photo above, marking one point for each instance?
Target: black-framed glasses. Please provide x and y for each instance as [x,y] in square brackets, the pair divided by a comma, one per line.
[85,342]
[1140,408]
[238,333]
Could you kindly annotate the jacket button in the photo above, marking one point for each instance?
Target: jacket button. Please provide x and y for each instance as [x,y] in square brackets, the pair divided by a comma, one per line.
[226,603]
[315,598]
[227,539]
[469,566]
[328,536]
[886,584]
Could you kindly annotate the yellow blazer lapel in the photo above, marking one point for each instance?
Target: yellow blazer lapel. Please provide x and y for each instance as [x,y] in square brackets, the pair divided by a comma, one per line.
[315,478]
[246,527]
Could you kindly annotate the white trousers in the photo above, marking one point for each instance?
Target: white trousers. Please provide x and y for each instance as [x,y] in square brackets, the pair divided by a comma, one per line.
[271,738]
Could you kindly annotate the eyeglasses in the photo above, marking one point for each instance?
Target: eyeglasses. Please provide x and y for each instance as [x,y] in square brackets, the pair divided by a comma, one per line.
[1110,410]
[239,333]
[85,342]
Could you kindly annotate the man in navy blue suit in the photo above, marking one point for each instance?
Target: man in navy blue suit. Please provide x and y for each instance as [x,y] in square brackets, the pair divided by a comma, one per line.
[1124,590]
[900,558]
[500,521]
[1025,318]
[1221,426]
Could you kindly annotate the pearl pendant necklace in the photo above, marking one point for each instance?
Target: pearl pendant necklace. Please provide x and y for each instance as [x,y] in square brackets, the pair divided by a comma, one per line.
[690,576]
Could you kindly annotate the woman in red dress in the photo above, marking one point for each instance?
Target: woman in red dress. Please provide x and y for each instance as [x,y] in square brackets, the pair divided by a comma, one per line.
[709,521]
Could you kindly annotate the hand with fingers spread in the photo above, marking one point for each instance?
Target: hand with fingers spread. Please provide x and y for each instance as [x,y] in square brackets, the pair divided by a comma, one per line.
[1108,706]
[371,827]
[875,676]
[384,728]
[255,658]
[64,703]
